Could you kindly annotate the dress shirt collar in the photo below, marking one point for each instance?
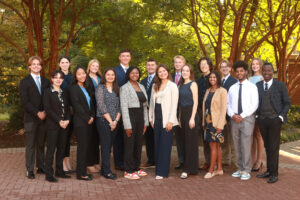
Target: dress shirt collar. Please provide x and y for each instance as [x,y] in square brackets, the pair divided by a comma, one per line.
[124,68]
[243,82]
[226,77]
[177,73]
[152,76]
[53,90]
[34,76]
[269,83]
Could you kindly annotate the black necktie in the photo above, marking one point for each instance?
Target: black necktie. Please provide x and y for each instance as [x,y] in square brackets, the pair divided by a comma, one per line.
[240,109]
[266,87]
[223,81]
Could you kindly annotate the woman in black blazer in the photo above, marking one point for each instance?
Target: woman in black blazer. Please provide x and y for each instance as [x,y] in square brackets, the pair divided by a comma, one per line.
[57,121]
[83,104]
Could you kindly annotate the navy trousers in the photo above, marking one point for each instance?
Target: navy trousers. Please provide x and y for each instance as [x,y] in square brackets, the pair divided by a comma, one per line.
[162,143]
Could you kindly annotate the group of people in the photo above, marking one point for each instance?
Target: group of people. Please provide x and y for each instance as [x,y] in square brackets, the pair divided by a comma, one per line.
[113,110]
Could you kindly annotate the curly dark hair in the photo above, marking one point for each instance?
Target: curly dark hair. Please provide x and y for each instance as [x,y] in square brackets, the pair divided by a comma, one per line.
[219,82]
[209,62]
[240,64]
[129,70]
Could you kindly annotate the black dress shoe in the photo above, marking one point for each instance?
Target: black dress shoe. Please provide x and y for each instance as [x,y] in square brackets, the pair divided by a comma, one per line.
[30,175]
[62,175]
[121,168]
[180,166]
[40,171]
[51,179]
[111,176]
[264,175]
[88,178]
[257,169]
[273,179]
[69,172]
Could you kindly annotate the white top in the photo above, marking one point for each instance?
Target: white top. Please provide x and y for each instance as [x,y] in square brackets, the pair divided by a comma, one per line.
[249,99]
[159,96]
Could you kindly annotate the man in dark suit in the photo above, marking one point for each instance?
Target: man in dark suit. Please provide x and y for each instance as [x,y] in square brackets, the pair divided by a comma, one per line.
[32,88]
[179,62]
[147,82]
[124,58]
[227,146]
[274,104]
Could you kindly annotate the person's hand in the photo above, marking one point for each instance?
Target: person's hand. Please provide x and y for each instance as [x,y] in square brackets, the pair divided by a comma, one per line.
[169,126]
[128,132]
[67,122]
[219,130]
[144,131]
[237,118]
[179,123]
[151,123]
[192,123]
[91,120]
[41,115]
[62,124]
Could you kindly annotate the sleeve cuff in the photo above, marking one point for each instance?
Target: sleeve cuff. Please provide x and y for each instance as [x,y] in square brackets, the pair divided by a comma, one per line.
[281,118]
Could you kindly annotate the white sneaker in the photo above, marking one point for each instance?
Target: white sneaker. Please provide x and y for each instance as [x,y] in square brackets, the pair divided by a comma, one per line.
[183,175]
[245,176]
[209,175]
[237,174]
[159,177]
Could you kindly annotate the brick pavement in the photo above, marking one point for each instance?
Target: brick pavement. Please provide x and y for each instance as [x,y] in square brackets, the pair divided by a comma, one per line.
[14,184]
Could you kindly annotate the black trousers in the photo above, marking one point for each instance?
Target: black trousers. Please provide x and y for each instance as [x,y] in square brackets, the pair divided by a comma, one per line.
[68,141]
[93,152]
[270,130]
[190,140]
[206,148]
[83,141]
[133,144]
[107,138]
[149,140]
[179,144]
[56,139]
[119,146]
[35,144]
[163,144]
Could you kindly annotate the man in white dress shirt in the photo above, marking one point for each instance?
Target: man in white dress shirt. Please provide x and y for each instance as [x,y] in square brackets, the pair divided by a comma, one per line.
[242,104]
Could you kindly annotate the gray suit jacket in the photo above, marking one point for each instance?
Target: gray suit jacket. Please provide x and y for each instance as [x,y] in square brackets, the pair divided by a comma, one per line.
[129,99]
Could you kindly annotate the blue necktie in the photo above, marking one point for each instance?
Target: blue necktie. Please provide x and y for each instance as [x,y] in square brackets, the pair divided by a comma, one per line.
[38,84]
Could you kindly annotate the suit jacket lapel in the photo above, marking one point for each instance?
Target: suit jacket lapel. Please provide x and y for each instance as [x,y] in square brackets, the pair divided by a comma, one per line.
[83,95]
[34,83]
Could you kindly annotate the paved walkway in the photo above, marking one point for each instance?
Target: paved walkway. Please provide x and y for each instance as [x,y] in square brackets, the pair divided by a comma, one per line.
[14,184]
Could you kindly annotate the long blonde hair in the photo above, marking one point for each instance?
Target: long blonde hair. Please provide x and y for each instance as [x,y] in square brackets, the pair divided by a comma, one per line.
[90,64]
[260,64]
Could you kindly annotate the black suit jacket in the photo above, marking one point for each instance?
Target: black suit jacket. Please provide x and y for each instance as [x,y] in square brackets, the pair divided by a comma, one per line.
[82,112]
[148,90]
[120,75]
[30,97]
[279,96]
[229,82]
[53,109]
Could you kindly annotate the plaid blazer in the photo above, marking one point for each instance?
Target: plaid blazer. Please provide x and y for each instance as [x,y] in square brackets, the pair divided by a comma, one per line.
[280,99]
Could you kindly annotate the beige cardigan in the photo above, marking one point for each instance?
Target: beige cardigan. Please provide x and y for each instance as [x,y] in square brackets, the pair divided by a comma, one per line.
[168,105]
[218,108]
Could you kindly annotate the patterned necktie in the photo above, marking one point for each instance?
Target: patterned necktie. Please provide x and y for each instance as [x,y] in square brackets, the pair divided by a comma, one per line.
[38,84]
[266,87]
[149,82]
[240,109]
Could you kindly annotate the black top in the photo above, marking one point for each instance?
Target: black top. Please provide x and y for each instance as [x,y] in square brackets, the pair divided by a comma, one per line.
[82,111]
[107,102]
[141,97]
[185,95]
[208,103]
[56,107]
[201,82]
[31,98]
[66,85]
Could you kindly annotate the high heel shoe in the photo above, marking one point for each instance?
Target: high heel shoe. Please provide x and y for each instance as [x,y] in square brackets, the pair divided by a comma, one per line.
[256,170]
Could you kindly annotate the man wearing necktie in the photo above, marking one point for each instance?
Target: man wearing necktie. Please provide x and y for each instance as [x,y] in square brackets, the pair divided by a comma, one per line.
[229,157]
[242,104]
[274,104]
[31,90]
[179,62]
[147,82]
[118,147]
